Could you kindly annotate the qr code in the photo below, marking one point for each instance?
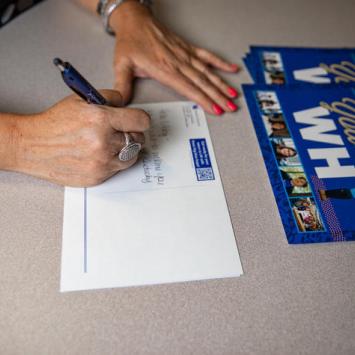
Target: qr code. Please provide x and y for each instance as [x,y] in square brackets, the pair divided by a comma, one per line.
[204,174]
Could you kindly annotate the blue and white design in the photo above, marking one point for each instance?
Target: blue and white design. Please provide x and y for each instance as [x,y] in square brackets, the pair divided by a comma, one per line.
[287,65]
[201,158]
[309,131]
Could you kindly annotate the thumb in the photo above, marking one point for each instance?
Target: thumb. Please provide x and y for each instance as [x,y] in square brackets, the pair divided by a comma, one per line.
[124,80]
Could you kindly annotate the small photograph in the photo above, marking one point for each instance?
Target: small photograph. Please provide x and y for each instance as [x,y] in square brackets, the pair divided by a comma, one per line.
[285,151]
[295,181]
[275,127]
[273,68]
[338,194]
[276,117]
[277,78]
[306,214]
[268,102]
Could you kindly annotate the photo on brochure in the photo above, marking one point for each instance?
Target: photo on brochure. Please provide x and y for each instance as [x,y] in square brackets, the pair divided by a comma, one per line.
[299,65]
[307,137]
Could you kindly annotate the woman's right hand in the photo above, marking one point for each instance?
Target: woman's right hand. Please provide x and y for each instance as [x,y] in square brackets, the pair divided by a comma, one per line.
[76,144]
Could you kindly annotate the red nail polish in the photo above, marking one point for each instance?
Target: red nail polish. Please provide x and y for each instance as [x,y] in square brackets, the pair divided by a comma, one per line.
[235,67]
[233,92]
[217,109]
[232,105]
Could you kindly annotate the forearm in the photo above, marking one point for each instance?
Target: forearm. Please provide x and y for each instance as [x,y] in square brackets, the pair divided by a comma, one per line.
[9,138]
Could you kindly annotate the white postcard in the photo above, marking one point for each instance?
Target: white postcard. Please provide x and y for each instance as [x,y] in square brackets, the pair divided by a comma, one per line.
[163,220]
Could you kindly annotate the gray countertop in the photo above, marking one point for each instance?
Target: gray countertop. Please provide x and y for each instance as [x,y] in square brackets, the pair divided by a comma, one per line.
[291,299]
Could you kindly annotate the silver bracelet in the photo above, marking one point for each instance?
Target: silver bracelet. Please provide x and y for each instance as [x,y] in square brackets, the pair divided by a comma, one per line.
[105,9]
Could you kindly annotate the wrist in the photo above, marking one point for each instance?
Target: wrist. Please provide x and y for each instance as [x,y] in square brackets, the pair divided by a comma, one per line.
[127,13]
[9,141]
[17,135]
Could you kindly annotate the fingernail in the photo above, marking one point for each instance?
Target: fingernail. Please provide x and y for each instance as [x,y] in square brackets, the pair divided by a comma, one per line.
[217,109]
[232,105]
[233,92]
[235,67]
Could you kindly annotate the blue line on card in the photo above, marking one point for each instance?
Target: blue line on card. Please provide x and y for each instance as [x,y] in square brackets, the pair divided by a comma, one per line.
[85,232]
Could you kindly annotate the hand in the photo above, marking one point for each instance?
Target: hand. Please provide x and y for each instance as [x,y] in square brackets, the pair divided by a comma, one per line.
[145,48]
[76,144]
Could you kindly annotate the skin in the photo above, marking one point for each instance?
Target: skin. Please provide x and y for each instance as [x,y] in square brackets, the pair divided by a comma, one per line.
[147,49]
[278,81]
[286,152]
[76,144]
[72,143]
[270,61]
[278,126]
[267,103]
[301,182]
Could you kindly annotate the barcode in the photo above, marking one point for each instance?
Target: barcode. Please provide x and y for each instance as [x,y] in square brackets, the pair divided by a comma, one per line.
[204,174]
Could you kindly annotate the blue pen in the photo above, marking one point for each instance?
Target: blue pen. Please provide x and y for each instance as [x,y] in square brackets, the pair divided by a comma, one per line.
[78,83]
[86,91]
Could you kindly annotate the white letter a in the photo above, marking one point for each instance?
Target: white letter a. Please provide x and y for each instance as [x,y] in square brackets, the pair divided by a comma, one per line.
[312,75]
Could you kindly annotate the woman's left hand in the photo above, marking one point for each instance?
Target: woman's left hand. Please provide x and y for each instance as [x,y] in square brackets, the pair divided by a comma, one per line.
[145,48]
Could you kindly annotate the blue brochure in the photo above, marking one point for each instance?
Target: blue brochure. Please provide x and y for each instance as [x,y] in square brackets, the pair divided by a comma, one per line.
[307,137]
[249,63]
[287,65]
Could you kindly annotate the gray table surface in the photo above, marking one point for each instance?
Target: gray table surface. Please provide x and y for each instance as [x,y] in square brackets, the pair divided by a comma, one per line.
[291,299]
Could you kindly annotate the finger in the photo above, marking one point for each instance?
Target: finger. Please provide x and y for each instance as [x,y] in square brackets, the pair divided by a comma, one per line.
[202,81]
[124,79]
[215,79]
[113,97]
[214,60]
[177,81]
[118,141]
[128,119]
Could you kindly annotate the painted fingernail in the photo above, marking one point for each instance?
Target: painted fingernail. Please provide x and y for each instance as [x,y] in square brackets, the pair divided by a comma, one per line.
[235,67]
[233,92]
[232,105]
[217,109]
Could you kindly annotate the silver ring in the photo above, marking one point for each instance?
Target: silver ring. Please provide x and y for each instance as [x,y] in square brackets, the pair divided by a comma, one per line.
[130,150]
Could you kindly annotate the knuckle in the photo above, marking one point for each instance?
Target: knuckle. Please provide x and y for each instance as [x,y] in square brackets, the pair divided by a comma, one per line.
[169,65]
[203,100]
[183,55]
[98,145]
[120,139]
[138,137]
[202,80]
[97,116]
[204,69]
[203,52]
[144,120]
[218,80]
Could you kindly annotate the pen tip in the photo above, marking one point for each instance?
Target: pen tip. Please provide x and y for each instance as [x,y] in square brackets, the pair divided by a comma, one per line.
[59,63]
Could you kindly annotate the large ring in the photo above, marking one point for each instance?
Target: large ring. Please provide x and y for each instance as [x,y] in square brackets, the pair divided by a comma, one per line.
[130,150]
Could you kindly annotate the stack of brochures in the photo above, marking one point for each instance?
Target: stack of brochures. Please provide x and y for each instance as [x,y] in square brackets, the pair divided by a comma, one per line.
[303,109]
